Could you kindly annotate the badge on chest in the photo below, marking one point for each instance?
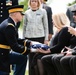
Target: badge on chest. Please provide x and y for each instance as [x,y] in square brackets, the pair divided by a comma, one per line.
[8,3]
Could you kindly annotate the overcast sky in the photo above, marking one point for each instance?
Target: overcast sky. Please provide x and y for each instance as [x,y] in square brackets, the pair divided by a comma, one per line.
[59,5]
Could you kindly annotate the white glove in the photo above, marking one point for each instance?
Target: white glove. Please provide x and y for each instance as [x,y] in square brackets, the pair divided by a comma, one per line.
[33,50]
[34,42]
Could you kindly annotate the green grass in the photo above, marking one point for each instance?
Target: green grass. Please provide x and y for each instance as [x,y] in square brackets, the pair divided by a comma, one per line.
[25,73]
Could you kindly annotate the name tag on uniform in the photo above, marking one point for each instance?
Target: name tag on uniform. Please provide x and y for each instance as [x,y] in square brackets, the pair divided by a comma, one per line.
[37,14]
[8,3]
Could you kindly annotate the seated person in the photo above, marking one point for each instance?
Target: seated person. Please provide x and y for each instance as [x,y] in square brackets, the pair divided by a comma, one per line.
[51,62]
[69,58]
[61,58]
[60,40]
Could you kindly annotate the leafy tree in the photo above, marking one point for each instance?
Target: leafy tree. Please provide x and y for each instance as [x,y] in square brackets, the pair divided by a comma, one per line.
[25,3]
[74,2]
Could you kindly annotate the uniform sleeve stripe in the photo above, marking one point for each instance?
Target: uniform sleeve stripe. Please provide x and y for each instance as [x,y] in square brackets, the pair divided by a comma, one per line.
[25,42]
[24,50]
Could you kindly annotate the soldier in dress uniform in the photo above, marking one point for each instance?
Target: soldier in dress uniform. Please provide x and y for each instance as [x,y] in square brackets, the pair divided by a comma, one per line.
[9,40]
[4,4]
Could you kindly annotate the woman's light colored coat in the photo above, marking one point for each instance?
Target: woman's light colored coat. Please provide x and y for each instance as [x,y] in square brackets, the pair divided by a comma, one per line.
[35,24]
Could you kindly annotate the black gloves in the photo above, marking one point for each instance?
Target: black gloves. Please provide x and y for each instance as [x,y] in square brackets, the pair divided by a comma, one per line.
[27,43]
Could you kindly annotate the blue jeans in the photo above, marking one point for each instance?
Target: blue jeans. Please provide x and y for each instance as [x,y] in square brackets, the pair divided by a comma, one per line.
[19,63]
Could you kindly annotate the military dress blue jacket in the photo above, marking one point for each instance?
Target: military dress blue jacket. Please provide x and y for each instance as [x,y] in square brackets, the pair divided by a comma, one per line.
[9,40]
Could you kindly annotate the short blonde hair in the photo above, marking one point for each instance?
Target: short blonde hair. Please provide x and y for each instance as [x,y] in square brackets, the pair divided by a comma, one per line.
[61,20]
[29,3]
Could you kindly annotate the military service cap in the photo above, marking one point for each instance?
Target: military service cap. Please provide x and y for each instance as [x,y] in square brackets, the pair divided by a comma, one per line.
[16,8]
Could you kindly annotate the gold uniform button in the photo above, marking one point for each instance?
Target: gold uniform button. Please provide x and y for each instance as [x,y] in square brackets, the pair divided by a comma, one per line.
[1,3]
[1,7]
[2,53]
[1,11]
[0,15]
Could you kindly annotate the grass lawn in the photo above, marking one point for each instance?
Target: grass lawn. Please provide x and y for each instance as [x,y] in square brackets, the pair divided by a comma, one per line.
[25,73]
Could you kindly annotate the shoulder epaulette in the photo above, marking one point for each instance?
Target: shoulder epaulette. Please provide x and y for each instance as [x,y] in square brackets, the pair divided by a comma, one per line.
[11,24]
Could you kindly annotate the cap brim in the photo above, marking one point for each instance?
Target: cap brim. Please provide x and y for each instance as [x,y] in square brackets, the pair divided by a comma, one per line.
[73,11]
[22,13]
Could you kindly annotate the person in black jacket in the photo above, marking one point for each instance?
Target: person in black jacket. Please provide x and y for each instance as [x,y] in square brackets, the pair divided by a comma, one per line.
[49,16]
[68,61]
[9,40]
[60,40]
[60,57]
